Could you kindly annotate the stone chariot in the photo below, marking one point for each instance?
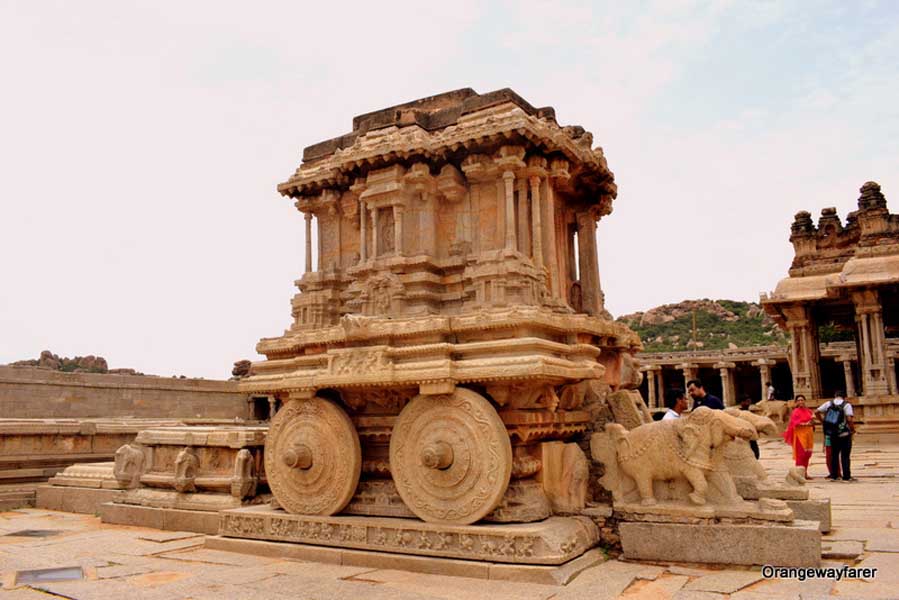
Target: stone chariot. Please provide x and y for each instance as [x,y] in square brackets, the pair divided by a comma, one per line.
[453,340]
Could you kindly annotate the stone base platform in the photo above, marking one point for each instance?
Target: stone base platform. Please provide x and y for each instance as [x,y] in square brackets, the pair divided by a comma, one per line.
[794,545]
[86,501]
[542,574]
[813,509]
[169,519]
[553,541]
[17,495]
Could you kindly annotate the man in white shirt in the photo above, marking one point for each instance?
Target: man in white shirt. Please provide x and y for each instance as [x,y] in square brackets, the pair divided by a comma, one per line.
[770,391]
[676,403]
[839,427]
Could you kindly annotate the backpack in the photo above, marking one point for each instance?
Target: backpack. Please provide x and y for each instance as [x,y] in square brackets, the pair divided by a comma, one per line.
[835,419]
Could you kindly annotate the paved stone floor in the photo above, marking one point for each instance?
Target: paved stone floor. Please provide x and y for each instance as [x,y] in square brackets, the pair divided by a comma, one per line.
[135,563]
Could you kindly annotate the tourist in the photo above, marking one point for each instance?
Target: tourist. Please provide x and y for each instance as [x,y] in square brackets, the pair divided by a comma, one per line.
[745,404]
[676,403]
[800,433]
[769,391]
[701,398]
[839,427]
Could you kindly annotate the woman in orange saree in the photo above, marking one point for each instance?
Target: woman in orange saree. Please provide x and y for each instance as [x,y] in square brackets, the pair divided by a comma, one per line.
[800,433]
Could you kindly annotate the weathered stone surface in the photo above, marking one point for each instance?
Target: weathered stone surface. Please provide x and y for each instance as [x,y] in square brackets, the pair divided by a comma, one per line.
[564,475]
[553,541]
[169,519]
[813,510]
[72,499]
[798,544]
[31,393]
[724,583]
[841,549]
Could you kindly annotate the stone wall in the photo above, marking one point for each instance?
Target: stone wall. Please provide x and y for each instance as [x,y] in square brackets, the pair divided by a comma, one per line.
[29,393]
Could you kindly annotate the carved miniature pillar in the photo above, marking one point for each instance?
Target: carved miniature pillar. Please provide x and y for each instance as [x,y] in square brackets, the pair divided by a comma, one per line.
[536,230]
[375,233]
[850,380]
[509,214]
[872,358]
[308,217]
[272,407]
[587,266]
[320,243]
[363,217]
[524,239]
[398,210]
[549,222]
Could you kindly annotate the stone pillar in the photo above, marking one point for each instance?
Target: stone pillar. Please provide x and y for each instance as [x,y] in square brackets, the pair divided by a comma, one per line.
[660,386]
[652,400]
[764,365]
[363,241]
[847,375]
[509,213]
[398,210]
[872,357]
[804,351]
[536,231]
[690,371]
[375,233]
[272,407]
[587,265]
[308,217]
[727,383]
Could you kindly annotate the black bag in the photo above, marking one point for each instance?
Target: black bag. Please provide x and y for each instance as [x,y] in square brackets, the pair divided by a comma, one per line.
[835,419]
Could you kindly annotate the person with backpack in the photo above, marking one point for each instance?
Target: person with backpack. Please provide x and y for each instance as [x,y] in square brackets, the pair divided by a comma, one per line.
[839,427]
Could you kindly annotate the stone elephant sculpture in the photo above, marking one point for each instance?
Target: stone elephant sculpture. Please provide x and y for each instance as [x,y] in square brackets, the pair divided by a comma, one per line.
[738,457]
[687,447]
[776,410]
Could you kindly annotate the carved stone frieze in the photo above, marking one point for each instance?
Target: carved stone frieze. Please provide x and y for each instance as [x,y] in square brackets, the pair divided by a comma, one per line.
[552,541]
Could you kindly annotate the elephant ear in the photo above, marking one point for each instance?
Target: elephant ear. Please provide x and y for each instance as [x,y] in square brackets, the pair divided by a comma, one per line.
[691,435]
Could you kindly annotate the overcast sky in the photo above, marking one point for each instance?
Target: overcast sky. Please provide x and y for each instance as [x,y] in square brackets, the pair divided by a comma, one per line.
[141,143]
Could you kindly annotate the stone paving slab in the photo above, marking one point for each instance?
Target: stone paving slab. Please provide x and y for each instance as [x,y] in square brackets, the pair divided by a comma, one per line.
[848,549]
[726,582]
[664,586]
[453,588]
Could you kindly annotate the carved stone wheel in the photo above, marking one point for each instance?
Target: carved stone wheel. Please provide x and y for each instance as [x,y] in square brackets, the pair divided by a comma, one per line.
[450,457]
[312,457]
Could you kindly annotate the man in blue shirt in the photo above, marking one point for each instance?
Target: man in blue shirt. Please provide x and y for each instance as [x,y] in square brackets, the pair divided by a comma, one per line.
[701,398]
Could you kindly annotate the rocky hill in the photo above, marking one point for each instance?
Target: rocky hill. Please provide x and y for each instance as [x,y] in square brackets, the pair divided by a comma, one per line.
[720,324]
[79,364]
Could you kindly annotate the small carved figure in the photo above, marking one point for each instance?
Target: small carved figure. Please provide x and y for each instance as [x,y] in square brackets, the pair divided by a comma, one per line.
[186,466]
[243,483]
[129,465]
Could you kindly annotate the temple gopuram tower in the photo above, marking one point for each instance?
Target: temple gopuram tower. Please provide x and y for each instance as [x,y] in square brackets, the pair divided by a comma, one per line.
[448,347]
[844,284]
